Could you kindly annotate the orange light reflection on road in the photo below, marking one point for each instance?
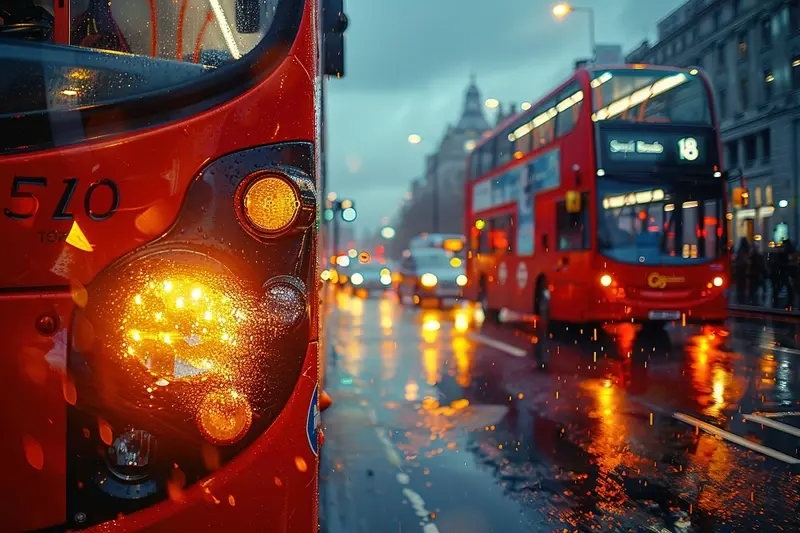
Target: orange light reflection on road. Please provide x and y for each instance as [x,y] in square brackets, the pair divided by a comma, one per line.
[412,391]
[430,362]
[461,351]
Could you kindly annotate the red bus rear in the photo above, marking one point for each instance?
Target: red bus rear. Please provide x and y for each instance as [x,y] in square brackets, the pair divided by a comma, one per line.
[158,163]
[604,202]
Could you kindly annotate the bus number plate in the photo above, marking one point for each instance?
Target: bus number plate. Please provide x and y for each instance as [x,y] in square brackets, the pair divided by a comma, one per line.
[664,315]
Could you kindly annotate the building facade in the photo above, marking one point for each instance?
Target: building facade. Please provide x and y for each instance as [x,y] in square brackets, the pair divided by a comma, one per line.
[436,201]
[751,51]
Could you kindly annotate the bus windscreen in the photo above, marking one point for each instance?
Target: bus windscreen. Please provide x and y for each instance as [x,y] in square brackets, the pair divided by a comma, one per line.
[647,95]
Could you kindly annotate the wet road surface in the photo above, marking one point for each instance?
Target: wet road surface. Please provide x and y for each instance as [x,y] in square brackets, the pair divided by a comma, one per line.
[442,423]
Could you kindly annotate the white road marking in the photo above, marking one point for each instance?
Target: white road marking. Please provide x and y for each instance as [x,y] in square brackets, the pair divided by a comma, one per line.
[736,439]
[414,499]
[780,414]
[499,345]
[786,428]
[781,349]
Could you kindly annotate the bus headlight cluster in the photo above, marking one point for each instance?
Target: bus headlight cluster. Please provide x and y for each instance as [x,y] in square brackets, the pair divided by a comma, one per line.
[606,280]
[186,331]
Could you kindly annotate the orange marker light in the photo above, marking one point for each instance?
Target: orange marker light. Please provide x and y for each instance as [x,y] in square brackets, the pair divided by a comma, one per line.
[271,204]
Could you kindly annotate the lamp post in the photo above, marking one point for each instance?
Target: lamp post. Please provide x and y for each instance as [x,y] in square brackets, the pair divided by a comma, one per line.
[562,9]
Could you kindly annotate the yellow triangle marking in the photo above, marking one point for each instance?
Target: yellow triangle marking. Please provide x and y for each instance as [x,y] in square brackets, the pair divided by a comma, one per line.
[77,239]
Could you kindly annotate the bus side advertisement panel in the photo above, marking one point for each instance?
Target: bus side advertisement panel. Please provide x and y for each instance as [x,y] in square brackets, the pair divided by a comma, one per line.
[540,174]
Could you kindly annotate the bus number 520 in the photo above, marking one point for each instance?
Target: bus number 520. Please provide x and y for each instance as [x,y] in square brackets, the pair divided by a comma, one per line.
[688,149]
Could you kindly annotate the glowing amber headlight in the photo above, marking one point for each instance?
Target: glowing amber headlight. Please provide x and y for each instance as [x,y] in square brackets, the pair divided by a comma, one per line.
[718,281]
[606,280]
[272,204]
[428,280]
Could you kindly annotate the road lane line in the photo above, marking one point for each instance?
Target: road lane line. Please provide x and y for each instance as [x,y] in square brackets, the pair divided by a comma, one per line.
[499,345]
[781,414]
[780,426]
[781,349]
[736,439]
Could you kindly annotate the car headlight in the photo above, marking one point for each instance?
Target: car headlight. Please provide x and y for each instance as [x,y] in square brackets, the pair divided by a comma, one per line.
[428,280]
[461,280]
[386,279]
[356,279]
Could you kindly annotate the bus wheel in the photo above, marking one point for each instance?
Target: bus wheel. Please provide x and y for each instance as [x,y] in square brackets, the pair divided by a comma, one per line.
[491,315]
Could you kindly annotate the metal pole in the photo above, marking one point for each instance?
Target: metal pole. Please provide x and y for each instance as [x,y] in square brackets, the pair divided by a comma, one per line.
[336,211]
[592,41]
[435,202]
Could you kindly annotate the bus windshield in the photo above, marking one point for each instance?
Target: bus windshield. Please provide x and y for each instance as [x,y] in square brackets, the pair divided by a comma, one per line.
[136,47]
[647,95]
[659,223]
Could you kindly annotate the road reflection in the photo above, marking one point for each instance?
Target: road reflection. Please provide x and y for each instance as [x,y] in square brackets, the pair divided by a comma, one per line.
[591,442]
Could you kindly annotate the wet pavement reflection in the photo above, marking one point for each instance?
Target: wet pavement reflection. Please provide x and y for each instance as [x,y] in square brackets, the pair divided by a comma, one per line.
[444,423]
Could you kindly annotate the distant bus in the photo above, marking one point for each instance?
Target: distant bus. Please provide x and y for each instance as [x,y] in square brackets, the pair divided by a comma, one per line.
[604,202]
[452,242]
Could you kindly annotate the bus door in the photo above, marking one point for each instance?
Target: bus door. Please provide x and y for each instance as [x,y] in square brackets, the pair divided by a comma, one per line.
[571,262]
[500,246]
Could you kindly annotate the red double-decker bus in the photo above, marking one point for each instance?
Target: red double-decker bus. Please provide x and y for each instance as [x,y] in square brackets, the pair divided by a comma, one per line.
[605,201]
[159,175]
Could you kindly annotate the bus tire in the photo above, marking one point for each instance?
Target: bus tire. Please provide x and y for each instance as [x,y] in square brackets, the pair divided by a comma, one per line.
[491,315]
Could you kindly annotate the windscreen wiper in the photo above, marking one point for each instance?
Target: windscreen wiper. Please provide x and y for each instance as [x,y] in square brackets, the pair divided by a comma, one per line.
[24,20]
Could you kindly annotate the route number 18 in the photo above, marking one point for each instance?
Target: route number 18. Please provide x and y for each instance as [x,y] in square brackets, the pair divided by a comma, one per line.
[688,149]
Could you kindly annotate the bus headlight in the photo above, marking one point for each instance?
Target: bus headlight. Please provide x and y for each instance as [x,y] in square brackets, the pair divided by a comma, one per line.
[718,281]
[606,280]
[357,279]
[184,332]
[270,204]
[461,280]
[428,280]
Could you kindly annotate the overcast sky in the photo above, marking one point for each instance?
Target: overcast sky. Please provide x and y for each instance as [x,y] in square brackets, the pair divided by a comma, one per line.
[407,65]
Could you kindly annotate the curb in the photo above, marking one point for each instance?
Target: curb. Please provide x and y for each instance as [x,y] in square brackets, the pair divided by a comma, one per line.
[762,310]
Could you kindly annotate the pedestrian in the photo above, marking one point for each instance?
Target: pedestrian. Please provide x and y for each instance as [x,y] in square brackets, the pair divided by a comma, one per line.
[741,270]
[756,275]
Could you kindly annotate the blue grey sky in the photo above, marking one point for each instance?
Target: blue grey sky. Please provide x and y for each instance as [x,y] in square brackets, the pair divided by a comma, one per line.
[408,63]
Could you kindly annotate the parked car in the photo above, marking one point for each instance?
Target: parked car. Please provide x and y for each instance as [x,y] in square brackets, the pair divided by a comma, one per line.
[431,274]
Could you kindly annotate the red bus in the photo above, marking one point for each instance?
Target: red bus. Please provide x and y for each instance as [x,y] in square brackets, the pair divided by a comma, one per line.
[605,201]
[159,173]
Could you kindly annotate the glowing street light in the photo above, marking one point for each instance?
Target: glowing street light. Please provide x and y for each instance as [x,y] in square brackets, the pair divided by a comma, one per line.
[388,233]
[414,138]
[332,197]
[492,103]
[525,106]
[562,9]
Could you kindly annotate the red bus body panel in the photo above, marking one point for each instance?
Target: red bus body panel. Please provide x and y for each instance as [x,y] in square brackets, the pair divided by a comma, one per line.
[573,276]
[271,484]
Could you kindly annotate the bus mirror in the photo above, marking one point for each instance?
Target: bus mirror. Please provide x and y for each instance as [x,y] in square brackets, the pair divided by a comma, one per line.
[334,24]
[248,16]
[573,202]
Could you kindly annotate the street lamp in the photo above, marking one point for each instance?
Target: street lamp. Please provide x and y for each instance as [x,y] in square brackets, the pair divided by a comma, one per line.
[414,138]
[562,9]
[388,233]
[492,103]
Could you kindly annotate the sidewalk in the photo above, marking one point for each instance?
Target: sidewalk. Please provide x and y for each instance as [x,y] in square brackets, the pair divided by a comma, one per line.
[763,304]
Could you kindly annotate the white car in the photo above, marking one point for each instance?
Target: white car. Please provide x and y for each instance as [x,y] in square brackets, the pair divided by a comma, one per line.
[431,274]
